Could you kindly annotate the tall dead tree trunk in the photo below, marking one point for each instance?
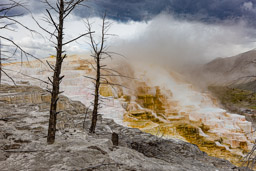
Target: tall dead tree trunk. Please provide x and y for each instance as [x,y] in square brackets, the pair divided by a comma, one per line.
[56,78]
[99,54]
[63,9]
[96,96]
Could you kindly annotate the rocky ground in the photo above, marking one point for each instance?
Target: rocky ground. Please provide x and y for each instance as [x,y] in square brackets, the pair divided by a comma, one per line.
[23,129]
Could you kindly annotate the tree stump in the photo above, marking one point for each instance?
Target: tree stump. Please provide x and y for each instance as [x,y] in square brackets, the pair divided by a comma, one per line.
[115,139]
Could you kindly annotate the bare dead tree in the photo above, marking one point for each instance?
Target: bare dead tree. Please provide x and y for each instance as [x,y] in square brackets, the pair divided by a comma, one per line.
[62,9]
[100,53]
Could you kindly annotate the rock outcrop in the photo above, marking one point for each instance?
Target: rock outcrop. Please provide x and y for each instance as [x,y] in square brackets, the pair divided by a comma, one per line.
[23,130]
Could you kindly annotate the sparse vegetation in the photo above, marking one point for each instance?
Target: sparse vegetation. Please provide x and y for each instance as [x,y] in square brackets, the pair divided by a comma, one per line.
[230,97]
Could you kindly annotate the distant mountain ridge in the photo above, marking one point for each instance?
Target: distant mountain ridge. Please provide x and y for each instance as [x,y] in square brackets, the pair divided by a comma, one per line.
[235,70]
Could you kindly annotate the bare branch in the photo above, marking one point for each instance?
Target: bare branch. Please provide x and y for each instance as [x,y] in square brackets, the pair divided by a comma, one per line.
[90,78]
[8,76]
[27,76]
[16,45]
[52,20]
[51,7]
[50,65]
[82,35]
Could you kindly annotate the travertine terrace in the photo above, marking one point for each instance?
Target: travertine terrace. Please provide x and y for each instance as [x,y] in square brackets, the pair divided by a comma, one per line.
[161,103]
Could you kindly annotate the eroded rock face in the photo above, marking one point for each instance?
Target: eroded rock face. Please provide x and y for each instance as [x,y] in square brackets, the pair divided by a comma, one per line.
[23,130]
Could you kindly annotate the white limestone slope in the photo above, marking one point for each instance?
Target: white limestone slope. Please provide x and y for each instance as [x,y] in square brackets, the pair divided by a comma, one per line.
[197,106]
[74,85]
[202,108]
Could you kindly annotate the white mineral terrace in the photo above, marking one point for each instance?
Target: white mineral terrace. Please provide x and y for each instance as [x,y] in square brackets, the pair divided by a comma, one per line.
[199,107]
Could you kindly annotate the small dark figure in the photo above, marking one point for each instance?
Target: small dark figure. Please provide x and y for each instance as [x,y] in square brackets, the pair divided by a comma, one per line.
[115,139]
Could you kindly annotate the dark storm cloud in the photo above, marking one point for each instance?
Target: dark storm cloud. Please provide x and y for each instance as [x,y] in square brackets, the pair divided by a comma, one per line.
[200,10]
[210,11]
[124,10]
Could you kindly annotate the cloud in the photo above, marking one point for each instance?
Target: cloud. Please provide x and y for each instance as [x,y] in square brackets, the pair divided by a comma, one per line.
[180,44]
[164,39]
[248,6]
[38,44]
[207,11]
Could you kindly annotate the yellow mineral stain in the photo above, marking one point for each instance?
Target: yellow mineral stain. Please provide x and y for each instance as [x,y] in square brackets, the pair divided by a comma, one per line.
[158,116]
[106,91]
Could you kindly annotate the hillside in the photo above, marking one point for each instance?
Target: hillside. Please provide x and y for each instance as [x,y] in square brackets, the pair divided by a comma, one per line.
[231,81]
[230,70]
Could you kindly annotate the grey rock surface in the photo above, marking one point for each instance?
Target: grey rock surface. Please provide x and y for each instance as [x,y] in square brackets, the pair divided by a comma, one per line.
[23,130]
